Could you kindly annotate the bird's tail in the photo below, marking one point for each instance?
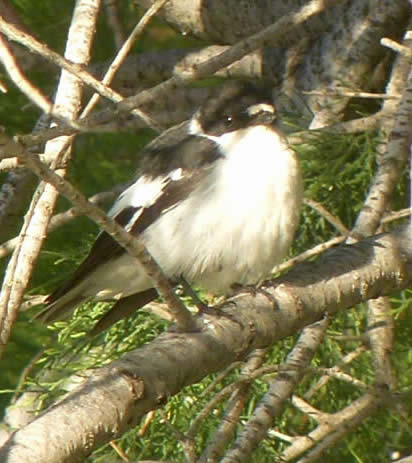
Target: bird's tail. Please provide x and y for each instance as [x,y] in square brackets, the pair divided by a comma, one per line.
[124,308]
[61,307]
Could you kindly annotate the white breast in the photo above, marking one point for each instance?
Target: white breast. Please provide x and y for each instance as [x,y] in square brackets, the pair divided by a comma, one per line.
[241,219]
[233,228]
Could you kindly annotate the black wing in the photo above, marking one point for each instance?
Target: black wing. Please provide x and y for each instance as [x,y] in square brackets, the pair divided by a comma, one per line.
[103,249]
[194,156]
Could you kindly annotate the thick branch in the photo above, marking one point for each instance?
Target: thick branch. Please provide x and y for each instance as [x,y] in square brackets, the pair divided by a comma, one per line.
[144,379]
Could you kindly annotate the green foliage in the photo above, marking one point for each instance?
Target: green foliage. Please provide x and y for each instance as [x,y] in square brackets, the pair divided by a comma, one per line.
[337,170]
[50,20]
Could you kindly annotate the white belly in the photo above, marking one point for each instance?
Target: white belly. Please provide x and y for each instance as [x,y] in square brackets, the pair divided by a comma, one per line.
[239,223]
[234,228]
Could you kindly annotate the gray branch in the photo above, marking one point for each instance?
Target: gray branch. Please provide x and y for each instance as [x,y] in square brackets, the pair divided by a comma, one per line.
[145,378]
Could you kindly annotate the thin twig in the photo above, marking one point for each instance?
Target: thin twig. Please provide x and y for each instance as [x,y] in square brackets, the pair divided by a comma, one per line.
[220,377]
[25,373]
[187,443]
[335,426]
[120,57]
[396,46]
[234,408]
[346,360]
[32,44]
[362,124]
[126,47]
[119,451]
[146,423]
[306,408]
[308,254]
[114,21]
[316,250]
[229,389]
[27,88]
[335,221]
[13,70]
[340,375]
[397,215]
[352,94]
[62,218]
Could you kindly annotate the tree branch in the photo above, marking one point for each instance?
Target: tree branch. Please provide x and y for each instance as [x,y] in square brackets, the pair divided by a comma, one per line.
[62,218]
[273,33]
[234,408]
[20,80]
[393,151]
[33,233]
[136,384]
[72,67]
[281,388]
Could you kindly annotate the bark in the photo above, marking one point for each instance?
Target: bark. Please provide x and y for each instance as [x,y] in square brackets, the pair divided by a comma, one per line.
[145,378]
[33,232]
[337,48]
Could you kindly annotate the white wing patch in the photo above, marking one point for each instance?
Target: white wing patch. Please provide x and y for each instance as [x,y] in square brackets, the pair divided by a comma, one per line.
[176,174]
[144,192]
[134,219]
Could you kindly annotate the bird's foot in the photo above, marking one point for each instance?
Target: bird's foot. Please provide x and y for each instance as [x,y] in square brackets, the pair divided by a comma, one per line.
[254,290]
[201,306]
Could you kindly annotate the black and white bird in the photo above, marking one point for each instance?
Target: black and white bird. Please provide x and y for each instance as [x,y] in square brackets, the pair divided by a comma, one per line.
[216,201]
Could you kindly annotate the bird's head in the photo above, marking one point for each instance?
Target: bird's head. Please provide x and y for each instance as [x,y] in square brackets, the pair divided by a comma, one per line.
[237,106]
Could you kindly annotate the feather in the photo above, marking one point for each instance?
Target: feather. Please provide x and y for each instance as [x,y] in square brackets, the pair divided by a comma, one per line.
[124,308]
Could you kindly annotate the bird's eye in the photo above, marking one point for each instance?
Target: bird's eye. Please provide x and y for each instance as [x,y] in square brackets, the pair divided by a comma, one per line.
[229,120]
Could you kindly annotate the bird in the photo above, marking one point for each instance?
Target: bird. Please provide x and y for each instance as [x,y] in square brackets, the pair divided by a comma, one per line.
[216,200]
